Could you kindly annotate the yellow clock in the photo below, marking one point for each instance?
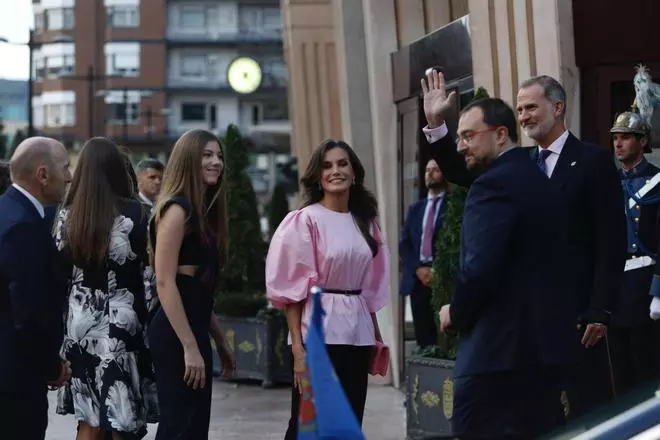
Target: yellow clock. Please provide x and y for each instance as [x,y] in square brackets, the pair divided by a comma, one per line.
[244,75]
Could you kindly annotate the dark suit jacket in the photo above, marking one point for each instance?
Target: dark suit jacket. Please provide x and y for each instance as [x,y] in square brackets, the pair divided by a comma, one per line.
[591,191]
[32,294]
[411,241]
[511,304]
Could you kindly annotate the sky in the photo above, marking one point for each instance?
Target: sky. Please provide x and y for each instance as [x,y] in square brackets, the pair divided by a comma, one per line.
[15,23]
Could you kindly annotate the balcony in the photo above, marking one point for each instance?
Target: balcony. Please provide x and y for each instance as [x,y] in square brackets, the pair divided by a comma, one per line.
[208,37]
[218,83]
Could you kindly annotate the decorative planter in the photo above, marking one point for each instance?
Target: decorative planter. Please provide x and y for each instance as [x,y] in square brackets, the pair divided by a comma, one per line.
[429,398]
[260,348]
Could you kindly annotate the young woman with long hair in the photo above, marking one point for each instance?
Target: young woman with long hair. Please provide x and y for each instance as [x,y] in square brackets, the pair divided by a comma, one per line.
[188,241]
[332,242]
[101,233]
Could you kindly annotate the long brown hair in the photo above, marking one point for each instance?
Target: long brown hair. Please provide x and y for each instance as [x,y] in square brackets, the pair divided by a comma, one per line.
[183,177]
[361,202]
[99,184]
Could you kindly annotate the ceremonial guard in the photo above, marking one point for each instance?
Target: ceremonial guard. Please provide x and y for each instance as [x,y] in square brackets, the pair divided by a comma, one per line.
[634,337]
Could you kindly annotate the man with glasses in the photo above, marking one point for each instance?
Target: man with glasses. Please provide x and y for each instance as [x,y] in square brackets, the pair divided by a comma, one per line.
[513,338]
[589,184]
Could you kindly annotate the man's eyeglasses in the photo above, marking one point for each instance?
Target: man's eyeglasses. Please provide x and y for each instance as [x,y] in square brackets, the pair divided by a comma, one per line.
[468,136]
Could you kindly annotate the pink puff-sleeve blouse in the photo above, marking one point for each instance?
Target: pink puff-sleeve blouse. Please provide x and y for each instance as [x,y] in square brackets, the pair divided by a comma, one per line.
[318,246]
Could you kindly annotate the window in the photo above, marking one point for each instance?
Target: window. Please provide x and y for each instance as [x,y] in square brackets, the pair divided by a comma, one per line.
[122,59]
[121,112]
[123,16]
[59,115]
[39,22]
[275,111]
[54,60]
[58,19]
[192,16]
[193,66]
[255,19]
[193,112]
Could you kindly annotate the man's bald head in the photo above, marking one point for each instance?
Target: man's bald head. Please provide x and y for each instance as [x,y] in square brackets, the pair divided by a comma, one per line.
[31,154]
[41,166]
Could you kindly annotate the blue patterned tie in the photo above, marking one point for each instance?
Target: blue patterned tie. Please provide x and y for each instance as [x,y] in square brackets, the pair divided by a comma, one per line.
[543,155]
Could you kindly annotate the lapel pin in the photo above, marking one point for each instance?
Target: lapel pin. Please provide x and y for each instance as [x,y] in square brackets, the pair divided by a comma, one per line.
[573,164]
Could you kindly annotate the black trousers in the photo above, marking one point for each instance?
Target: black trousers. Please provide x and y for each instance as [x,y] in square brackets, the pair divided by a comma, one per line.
[426,332]
[518,405]
[351,364]
[588,382]
[635,355]
[23,415]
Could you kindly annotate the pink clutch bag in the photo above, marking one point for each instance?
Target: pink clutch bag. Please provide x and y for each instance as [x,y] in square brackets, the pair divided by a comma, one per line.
[380,360]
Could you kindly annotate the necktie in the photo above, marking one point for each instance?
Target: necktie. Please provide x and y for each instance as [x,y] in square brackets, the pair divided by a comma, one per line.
[543,155]
[429,227]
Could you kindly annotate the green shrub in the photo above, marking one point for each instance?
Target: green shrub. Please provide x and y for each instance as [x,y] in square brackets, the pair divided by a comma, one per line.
[241,282]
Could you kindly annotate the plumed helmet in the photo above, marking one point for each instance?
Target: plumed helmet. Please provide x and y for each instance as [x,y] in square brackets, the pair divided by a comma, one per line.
[630,122]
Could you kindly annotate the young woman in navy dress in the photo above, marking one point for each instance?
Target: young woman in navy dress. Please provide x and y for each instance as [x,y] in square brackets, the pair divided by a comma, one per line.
[188,236]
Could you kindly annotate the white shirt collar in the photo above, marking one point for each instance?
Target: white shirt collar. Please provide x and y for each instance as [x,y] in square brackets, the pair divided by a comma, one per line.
[31,198]
[558,144]
[145,199]
[440,194]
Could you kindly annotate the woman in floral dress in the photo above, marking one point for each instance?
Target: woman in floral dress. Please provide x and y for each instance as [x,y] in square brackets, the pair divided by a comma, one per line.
[101,233]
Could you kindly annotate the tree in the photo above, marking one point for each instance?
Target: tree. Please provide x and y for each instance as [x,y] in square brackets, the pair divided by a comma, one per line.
[445,267]
[18,138]
[241,282]
[279,207]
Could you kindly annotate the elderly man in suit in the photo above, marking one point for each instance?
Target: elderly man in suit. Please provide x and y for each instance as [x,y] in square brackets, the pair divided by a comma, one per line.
[32,289]
[590,188]
[513,337]
[417,250]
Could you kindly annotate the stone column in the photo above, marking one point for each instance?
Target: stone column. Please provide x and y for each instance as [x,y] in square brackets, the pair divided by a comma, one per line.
[513,40]
[310,52]
[354,82]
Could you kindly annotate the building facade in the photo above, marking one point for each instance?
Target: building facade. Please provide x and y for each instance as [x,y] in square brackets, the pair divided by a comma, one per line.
[355,68]
[145,71]
[13,106]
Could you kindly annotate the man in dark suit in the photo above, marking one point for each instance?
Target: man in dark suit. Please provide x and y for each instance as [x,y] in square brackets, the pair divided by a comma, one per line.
[513,337]
[417,251]
[32,289]
[588,180]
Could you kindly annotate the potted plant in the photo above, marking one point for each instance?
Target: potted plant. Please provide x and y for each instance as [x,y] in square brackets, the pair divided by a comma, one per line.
[256,334]
[429,385]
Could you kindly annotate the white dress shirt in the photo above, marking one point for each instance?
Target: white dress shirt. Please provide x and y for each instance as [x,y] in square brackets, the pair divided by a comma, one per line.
[31,198]
[555,149]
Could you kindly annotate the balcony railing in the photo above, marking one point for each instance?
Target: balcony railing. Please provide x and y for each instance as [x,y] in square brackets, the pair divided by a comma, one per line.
[219,82]
[207,36]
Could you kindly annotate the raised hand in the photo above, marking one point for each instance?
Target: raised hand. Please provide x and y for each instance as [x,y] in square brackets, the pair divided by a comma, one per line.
[436,100]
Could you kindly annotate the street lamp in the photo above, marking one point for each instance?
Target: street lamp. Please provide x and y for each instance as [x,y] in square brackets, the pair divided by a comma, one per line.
[31,45]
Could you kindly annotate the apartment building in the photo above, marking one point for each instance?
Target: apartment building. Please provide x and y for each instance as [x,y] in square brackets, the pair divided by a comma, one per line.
[145,71]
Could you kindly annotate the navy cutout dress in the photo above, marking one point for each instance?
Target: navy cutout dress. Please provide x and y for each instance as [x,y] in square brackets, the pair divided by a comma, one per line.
[185,412]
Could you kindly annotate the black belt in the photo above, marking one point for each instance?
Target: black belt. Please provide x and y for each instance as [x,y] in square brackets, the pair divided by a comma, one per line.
[342,291]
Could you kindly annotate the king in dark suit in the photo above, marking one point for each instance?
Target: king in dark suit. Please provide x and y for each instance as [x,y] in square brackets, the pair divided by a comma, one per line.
[590,190]
[32,289]
[513,337]
[417,251]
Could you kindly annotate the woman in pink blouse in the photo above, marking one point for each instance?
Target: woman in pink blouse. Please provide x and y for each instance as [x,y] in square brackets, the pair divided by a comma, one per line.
[332,242]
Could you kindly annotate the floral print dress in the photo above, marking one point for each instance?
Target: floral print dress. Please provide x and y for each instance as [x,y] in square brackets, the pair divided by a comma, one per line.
[112,385]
